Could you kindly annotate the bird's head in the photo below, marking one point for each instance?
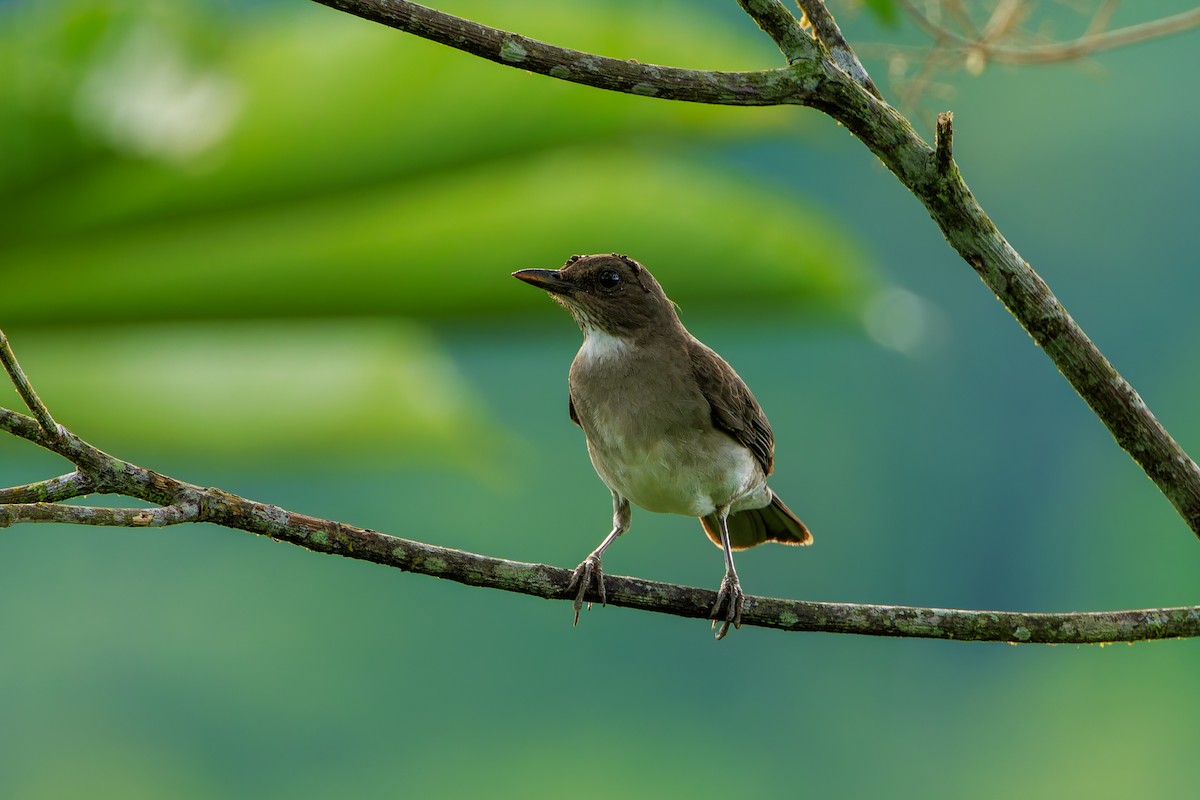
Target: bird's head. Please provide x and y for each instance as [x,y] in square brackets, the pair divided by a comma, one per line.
[609,292]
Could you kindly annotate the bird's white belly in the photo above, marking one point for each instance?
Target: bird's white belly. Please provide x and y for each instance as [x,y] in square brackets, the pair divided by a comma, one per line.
[670,476]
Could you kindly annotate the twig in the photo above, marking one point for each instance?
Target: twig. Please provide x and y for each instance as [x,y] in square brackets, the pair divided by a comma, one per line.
[939,33]
[28,395]
[960,15]
[51,490]
[1118,37]
[778,23]
[919,82]
[768,87]
[1004,18]
[943,143]
[1099,21]
[1089,43]
[830,34]
[12,513]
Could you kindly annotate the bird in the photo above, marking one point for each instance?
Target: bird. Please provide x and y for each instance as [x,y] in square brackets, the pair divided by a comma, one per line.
[670,426]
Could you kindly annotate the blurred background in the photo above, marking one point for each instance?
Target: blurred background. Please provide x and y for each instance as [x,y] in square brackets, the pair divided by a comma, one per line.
[267,247]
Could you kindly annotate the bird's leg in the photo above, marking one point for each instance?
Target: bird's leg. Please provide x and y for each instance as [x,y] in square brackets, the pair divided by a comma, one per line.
[590,570]
[730,595]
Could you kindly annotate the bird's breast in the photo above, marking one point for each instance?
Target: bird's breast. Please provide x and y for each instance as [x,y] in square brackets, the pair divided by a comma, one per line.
[690,475]
[650,433]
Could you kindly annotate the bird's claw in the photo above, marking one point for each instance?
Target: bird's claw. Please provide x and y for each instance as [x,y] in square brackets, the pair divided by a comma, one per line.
[587,572]
[731,598]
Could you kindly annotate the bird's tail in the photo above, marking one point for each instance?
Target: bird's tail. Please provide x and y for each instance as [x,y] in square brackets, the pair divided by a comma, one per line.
[772,523]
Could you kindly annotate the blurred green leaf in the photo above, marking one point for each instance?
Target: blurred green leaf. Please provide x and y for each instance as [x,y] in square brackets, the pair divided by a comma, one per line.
[444,244]
[172,114]
[336,389]
[319,165]
[884,10]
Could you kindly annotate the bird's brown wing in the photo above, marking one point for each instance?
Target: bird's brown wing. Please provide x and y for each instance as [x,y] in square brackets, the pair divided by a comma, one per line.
[734,409]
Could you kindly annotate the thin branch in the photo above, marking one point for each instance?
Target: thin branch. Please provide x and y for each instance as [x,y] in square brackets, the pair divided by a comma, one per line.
[1099,21]
[51,490]
[939,33]
[196,504]
[921,79]
[106,474]
[839,49]
[1006,15]
[1058,51]
[28,395]
[959,13]
[192,503]
[553,583]
[1118,37]
[13,513]
[767,87]
[784,29]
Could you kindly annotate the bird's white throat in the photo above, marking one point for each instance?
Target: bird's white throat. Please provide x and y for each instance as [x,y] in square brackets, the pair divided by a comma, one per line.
[600,345]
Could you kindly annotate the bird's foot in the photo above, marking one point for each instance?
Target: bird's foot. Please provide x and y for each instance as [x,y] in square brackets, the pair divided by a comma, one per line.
[728,608]
[584,575]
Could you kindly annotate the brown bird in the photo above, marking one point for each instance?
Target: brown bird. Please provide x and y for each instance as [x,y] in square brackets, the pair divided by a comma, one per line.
[669,425]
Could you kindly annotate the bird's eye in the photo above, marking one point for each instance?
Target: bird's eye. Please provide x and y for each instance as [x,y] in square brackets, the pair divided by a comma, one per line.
[608,278]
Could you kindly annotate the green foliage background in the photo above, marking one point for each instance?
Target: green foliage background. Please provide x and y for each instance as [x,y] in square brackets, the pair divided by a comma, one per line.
[268,250]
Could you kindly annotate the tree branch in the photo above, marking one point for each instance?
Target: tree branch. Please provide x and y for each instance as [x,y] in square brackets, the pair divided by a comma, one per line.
[1093,41]
[51,490]
[197,504]
[767,87]
[839,49]
[821,84]
[943,143]
[28,395]
[12,513]
[180,502]
[784,29]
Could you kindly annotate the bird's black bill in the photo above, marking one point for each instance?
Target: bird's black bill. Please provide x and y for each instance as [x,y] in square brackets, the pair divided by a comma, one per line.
[548,279]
